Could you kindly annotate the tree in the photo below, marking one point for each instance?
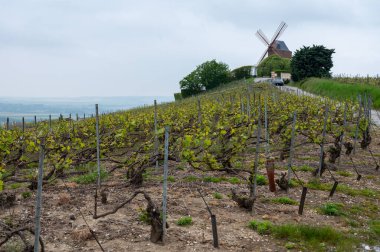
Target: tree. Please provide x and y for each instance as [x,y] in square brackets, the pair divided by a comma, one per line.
[315,61]
[191,84]
[273,63]
[208,75]
[241,72]
[213,74]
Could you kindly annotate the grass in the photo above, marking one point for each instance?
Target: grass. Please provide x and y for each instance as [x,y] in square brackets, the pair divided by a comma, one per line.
[332,209]
[366,192]
[304,168]
[338,90]
[212,179]
[185,221]
[344,173]
[190,178]
[285,201]
[217,195]
[171,179]
[90,177]
[232,180]
[262,227]
[312,238]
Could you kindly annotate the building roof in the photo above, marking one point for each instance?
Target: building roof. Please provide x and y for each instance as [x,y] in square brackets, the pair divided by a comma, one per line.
[280,45]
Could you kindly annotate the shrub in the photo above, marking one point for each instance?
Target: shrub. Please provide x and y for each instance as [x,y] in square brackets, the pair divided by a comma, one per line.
[185,221]
[243,72]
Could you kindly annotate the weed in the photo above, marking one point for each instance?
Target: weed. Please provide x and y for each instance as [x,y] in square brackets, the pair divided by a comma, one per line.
[344,173]
[26,195]
[144,217]
[212,179]
[185,221]
[332,209]
[285,201]
[261,180]
[234,180]
[15,186]
[171,179]
[293,183]
[190,178]
[375,227]
[304,168]
[262,227]
[90,177]
[218,195]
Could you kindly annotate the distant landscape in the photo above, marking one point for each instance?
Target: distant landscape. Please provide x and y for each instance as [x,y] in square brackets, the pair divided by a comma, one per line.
[16,107]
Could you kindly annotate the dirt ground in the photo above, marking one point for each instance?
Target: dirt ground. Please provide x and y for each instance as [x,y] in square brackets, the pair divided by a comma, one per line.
[64,229]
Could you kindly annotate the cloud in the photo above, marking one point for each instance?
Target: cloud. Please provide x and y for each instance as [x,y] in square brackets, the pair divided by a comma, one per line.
[93,47]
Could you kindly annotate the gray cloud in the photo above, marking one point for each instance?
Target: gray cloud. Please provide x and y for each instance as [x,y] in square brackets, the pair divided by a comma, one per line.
[93,47]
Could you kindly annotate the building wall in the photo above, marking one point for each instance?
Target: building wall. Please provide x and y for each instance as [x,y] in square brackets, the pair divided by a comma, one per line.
[281,53]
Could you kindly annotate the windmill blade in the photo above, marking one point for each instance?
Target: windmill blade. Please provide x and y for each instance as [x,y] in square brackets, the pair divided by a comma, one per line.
[281,28]
[262,37]
[263,56]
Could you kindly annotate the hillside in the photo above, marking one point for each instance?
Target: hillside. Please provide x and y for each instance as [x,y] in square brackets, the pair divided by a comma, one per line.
[221,144]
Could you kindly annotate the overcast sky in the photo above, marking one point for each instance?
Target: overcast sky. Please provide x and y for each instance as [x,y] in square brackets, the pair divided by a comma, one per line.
[145,47]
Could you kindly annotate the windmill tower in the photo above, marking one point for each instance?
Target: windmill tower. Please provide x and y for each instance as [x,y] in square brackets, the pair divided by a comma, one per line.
[274,46]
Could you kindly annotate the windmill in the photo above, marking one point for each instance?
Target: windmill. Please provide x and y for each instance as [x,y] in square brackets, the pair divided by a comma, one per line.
[274,46]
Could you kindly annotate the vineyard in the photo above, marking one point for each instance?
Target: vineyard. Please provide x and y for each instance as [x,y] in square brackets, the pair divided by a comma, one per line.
[278,171]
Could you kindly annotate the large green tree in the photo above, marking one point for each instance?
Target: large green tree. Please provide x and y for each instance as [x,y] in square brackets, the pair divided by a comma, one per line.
[273,63]
[315,61]
[208,75]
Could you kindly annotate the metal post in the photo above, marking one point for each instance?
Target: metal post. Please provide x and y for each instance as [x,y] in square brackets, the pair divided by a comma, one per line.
[199,112]
[50,122]
[35,120]
[344,127]
[155,132]
[257,153]
[7,123]
[39,201]
[77,117]
[165,184]
[97,142]
[23,124]
[357,128]
[291,151]
[323,140]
